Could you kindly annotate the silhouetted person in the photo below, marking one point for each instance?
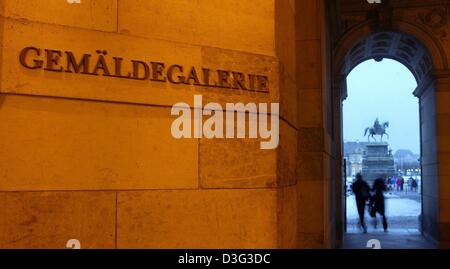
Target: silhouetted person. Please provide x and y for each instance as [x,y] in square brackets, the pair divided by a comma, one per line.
[400,182]
[413,185]
[377,201]
[390,183]
[362,193]
[409,182]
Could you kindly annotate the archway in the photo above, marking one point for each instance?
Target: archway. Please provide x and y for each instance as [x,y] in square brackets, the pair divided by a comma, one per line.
[382,91]
[361,45]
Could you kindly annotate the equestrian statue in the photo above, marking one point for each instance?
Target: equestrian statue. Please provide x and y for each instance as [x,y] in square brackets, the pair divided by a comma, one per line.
[377,129]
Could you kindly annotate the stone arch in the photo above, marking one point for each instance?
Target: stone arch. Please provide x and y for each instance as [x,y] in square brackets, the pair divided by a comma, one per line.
[364,30]
[393,45]
[424,56]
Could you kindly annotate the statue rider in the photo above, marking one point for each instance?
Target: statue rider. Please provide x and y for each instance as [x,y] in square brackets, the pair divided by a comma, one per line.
[377,126]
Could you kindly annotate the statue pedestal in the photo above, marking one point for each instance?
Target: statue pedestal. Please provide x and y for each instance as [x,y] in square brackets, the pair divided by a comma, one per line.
[377,162]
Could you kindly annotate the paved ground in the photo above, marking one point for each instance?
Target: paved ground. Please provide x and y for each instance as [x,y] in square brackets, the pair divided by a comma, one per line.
[393,222]
[406,194]
[394,239]
[402,210]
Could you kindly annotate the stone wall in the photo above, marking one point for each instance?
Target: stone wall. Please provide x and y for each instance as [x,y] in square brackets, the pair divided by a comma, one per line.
[441,184]
[92,157]
[315,148]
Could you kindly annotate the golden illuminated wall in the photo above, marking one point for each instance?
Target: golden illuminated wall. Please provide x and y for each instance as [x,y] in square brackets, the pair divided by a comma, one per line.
[92,157]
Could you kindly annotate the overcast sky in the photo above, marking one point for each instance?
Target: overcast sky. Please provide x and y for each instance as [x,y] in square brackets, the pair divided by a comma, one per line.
[383,90]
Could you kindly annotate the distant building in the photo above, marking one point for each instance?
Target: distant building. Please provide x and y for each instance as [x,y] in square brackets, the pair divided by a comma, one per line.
[354,153]
[407,163]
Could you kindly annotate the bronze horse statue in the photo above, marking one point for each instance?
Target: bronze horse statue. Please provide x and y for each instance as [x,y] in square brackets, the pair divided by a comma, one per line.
[377,129]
